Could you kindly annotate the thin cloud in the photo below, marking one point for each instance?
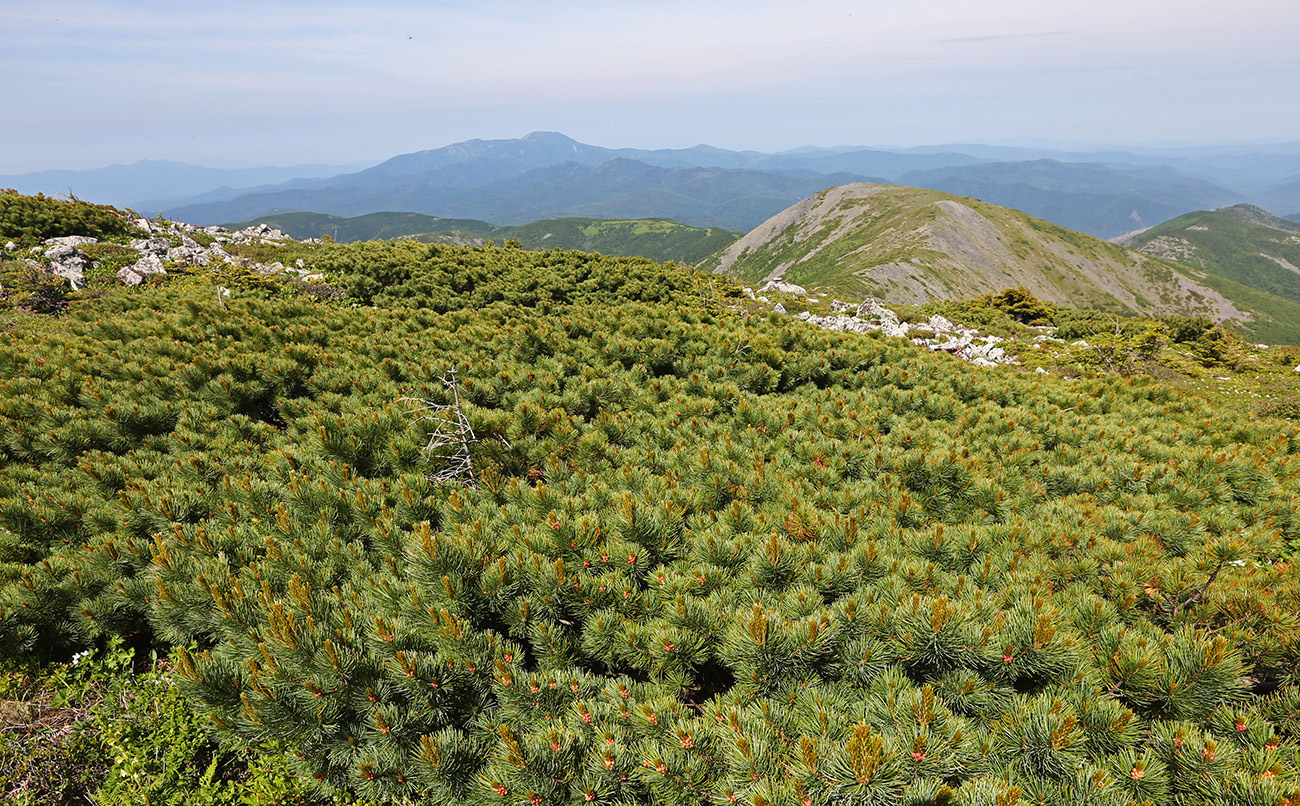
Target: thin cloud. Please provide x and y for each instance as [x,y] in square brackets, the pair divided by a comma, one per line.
[1002,37]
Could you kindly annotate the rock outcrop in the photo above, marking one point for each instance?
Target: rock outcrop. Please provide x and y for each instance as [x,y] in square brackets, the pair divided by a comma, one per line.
[167,243]
[936,334]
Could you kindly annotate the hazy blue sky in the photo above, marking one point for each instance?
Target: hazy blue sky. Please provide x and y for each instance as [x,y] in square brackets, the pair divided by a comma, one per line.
[85,83]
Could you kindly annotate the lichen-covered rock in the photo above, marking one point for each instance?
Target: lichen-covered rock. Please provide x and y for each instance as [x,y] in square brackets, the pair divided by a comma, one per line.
[784,288]
[941,325]
[155,246]
[66,241]
[936,334]
[136,273]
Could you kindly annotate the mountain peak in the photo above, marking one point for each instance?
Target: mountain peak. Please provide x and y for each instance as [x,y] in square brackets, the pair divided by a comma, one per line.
[549,138]
[1257,215]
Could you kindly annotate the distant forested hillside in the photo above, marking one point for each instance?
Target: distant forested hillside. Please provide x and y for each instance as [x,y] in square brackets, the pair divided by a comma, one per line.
[1241,243]
[657,239]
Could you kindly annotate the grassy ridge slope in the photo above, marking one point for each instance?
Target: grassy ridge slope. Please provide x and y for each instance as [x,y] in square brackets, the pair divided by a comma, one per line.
[1242,243]
[910,246]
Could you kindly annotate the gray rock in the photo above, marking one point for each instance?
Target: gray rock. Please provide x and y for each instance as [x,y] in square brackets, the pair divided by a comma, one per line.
[952,345]
[143,225]
[68,240]
[894,328]
[988,350]
[74,269]
[874,310]
[779,308]
[155,246]
[149,264]
[784,288]
[61,252]
[838,306]
[142,268]
[67,261]
[189,256]
[941,325]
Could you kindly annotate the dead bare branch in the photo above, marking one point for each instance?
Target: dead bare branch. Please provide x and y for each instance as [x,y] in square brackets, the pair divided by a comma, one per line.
[451,437]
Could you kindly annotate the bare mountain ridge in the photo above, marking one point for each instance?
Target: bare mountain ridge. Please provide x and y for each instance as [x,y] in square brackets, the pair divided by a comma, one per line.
[912,245]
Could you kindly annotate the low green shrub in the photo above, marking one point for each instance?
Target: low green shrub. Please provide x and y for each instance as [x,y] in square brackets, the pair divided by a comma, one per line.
[1022,306]
[33,290]
[1183,329]
[34,217]
[1219,346]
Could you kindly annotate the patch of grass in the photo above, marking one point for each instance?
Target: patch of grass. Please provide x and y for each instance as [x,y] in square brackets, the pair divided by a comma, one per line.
[108,257]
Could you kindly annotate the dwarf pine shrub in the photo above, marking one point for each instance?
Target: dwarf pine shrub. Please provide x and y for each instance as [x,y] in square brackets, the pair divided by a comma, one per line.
[704,558]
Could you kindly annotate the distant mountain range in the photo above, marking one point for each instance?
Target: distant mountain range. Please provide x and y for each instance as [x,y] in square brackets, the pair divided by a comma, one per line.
[545,174]
[913,245]
[658,239]
[620,188]
[140,184]
[1089,197]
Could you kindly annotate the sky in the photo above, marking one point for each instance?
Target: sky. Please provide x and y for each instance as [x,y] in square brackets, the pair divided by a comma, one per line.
[87,83]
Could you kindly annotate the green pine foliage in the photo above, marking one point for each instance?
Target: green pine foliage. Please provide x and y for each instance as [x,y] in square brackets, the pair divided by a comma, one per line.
[703,558]
[1021,305]
[29,218]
